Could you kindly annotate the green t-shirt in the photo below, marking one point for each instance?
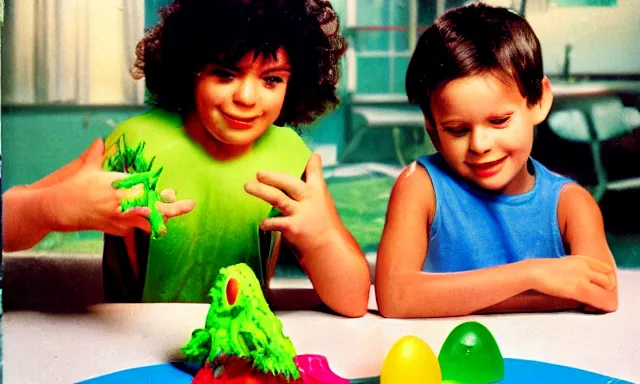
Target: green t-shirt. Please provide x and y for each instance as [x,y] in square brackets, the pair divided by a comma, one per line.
[223,228]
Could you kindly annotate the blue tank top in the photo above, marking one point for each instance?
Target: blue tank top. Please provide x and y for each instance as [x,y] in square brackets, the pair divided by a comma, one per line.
[474,229]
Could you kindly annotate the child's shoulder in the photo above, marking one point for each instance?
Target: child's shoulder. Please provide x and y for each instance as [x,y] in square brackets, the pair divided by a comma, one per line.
[435,167]
[576,201]
[156,122]
[414,186]
[285,139]
[542,170]
[284,135]
[427,161]
[416,175]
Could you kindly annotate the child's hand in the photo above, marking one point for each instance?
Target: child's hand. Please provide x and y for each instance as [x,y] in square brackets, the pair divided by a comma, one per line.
[308,213]
[80,196]
[311,226]
[169,207]
[579,278]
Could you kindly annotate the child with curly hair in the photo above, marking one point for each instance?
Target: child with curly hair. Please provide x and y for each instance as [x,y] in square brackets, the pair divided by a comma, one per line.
[226,77]
[481,226]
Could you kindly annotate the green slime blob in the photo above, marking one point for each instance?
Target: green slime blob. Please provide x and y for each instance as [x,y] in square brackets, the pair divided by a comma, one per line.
[240,323]
[470,355]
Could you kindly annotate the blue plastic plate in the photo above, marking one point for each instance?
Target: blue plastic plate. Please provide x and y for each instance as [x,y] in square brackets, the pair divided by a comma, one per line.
[516,371]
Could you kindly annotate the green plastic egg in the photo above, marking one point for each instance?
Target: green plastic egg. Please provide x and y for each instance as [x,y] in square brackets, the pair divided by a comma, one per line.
[470,355]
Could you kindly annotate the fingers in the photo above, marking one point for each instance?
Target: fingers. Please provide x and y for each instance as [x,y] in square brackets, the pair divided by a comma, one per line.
[604,280]
[130,193]
[313,171]
[142,223]
[271,195]
[597,265]
[137,217]
[139,211]
[597,298]
[276,224]
[169,210]
[92,157]
[289,184]
[123,222]
[590,309]
[601,274]
[168,195]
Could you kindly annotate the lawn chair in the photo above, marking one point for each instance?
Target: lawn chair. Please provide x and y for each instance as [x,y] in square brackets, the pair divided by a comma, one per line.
[593,119]
[403,123]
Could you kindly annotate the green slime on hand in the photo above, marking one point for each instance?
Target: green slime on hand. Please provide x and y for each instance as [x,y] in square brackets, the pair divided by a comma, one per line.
[132,161]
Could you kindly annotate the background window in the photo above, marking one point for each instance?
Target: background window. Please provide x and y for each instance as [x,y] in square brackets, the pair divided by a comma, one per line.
[71,52]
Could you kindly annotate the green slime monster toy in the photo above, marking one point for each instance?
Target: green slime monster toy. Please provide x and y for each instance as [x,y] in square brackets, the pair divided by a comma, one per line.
[129,160]
[239,323]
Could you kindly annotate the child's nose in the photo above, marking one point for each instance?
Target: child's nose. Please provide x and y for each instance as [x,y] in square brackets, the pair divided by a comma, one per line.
[245,94]
[480,141]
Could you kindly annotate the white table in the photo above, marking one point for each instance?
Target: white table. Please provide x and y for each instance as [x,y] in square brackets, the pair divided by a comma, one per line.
[65,348]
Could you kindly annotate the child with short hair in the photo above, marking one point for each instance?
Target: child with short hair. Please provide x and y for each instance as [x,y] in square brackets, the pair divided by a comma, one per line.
[481,226]
[222,73]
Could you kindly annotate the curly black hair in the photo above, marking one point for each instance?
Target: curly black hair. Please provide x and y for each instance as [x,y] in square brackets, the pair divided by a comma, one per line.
[194,33]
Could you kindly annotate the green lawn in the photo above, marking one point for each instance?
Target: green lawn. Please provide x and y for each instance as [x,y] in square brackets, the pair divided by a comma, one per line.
[362,204]
[74,242]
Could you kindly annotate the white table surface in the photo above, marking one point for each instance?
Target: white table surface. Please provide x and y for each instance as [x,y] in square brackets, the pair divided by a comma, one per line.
[65,348]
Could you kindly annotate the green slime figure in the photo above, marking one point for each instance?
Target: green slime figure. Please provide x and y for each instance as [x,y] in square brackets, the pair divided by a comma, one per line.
[239,323]
[132,161]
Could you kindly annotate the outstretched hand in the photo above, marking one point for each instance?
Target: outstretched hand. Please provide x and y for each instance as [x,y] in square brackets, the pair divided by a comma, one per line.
[308,215]
[80,197]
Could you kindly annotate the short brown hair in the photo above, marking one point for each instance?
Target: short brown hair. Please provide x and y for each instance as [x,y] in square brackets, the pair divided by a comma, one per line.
[469,41]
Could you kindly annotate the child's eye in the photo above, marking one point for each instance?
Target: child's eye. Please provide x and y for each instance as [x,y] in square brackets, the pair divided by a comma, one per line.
[222,74]
[273,80]
[456,131]
[500,120]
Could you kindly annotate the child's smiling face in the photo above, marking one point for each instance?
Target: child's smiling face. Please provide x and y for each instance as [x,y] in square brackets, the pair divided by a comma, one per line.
[484,130]
[236,105]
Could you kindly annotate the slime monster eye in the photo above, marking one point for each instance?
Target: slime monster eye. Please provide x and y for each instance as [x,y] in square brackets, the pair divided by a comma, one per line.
[232,291]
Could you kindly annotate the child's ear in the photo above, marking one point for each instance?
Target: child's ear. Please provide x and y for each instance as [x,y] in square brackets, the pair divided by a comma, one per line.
[433,134]
[542,108]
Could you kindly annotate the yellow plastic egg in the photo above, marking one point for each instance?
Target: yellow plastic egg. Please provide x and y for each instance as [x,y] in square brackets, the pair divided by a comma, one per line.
[410,360]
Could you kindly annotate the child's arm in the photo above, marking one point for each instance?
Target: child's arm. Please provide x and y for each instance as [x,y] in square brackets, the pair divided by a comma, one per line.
[22,218]
[532,301]
[311,226]
[77,197]
[403,290]
[582,229]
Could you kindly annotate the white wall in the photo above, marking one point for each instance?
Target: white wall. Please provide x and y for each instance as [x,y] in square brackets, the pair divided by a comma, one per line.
[606,40]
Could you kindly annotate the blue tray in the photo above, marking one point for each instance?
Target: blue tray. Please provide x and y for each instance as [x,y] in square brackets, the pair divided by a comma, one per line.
[516,371]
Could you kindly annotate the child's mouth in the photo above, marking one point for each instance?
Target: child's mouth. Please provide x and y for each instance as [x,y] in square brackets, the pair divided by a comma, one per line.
[239,122]
[488,168]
